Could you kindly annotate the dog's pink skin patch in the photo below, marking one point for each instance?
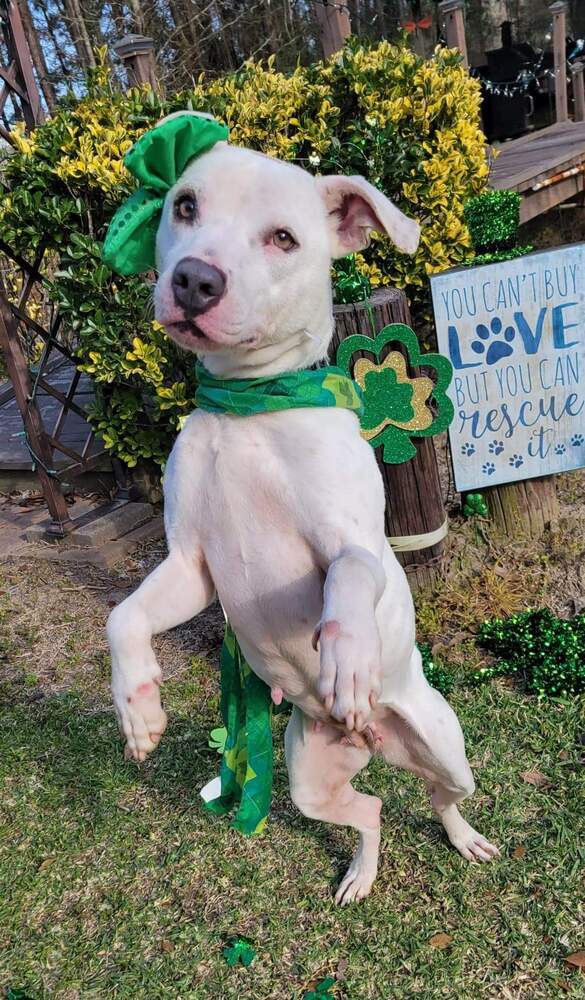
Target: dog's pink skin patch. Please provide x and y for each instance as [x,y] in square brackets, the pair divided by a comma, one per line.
[276,694]
[331,630]
[145,688]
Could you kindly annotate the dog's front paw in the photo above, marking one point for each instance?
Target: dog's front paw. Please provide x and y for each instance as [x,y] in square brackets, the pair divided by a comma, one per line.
[140,714]
[349,679]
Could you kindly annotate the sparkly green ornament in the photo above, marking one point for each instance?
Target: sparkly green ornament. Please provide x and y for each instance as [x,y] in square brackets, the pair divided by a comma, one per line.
[348,284]
[437,676]
[547,652]
[493,219]
[475,505]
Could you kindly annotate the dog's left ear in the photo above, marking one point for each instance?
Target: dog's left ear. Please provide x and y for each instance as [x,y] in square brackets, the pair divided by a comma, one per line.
[355,208]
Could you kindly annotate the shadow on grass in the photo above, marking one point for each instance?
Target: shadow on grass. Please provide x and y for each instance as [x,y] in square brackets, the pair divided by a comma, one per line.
[78,757]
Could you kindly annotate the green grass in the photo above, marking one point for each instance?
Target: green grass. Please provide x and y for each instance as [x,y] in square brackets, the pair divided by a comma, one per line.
[115,883]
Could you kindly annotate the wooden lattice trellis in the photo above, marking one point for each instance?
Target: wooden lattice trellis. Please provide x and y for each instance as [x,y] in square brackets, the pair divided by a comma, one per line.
[18,328]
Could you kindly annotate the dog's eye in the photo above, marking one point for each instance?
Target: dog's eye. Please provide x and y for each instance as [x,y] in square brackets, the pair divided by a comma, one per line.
[186,207]
[283,240]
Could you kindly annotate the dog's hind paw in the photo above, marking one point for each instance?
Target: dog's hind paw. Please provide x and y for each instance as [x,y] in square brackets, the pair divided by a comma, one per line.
[474,847]
[470,844]
[356,884]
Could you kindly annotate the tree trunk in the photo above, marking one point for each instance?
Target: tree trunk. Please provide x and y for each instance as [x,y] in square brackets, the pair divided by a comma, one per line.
[414,499]
[79,33]
[137,17]
[37,56]
[525,509]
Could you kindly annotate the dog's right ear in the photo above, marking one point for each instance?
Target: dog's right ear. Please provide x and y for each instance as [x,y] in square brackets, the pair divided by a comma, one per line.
[355,208]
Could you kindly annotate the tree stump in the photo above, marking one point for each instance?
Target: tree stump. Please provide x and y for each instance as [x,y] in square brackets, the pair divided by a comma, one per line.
[525,509]
[414,499]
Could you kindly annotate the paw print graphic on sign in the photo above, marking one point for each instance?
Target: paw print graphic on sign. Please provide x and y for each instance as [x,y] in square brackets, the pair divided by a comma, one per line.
[496,447]
[497,349]
[488,468]
[516,461]
[560,449]
[468,449]
[577,440]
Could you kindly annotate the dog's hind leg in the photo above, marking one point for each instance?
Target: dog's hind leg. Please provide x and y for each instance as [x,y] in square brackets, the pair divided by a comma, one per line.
[420,732]
[175,591]
[320,768]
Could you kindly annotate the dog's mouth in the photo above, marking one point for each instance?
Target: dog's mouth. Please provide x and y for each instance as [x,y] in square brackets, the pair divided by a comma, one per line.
[189,334]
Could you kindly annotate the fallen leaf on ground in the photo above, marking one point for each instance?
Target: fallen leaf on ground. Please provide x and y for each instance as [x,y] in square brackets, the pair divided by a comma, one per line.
[536,778]
[45,864]
[166,945]
[577,959]
[342,966]
[440,941]
[519,852]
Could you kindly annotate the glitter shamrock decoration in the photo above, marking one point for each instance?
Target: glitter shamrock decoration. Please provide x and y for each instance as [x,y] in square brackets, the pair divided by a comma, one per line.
[239,950]
[475,505]
[546,651]
[217,738]
[322,990]
[396,405]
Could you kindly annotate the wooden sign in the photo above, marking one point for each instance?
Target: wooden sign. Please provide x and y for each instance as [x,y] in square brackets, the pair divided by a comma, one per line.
[515,334]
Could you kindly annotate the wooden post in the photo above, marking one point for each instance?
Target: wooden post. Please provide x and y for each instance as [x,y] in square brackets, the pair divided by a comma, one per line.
[334,24]
[414,499]
[559,13]
[577,71]
[137,54]
[19,376]
[523,509]
[18,77]
[453,14]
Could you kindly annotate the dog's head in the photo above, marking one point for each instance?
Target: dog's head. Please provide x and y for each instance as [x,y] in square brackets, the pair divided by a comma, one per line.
[244,250]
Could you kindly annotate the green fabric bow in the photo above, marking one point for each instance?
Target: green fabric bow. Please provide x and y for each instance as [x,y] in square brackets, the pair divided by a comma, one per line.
[246,704]
[157,161]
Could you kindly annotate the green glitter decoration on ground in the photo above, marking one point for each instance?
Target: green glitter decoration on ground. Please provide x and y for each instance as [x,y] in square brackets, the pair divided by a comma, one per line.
[238,950]
[437,676]
[321,991]
[547,652]
[475,505]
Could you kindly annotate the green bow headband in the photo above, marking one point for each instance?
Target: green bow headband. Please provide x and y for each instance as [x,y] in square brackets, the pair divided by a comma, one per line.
[157,160]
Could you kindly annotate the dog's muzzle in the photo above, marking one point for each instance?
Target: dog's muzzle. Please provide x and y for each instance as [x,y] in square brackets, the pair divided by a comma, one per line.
[197,286]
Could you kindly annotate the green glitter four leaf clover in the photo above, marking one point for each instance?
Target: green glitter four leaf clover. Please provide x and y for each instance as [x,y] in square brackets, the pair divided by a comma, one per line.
[217,738]
[475,505]
[239,950]
[321,991]
[392,401]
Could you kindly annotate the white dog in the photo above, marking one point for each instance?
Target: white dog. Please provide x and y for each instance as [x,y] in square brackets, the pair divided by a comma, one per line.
[282,514]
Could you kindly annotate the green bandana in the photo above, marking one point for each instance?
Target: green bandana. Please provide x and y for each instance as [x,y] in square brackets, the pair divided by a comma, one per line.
[244,397]
[246,704]
[246,766]
[157,161]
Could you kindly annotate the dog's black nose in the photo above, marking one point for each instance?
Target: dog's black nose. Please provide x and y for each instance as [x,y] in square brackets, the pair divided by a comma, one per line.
[197,286]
